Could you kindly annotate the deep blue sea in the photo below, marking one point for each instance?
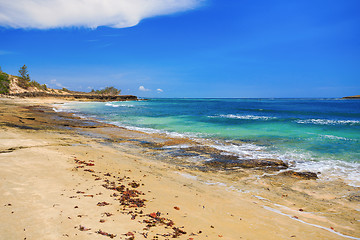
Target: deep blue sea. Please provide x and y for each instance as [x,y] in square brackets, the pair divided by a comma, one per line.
[320,135]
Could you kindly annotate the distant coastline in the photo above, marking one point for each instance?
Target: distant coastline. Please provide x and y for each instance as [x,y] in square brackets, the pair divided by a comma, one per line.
[352,97]
[79,96]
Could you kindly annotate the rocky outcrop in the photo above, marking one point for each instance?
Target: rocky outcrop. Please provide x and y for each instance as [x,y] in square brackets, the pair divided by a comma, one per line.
[354,197]
[248,163]
[299,175]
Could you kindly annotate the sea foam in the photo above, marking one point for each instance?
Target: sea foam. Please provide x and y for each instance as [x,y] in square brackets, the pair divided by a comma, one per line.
[243,117]
[118,105]
[328,122]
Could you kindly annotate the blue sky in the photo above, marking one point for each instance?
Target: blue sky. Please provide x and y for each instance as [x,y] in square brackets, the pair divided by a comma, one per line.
[202,48]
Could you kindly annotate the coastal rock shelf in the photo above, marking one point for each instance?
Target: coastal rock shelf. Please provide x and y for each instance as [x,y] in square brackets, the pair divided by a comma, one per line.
[274,164]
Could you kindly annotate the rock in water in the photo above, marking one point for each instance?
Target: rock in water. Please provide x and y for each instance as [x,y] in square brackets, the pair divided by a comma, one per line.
[248,163]
[299,175]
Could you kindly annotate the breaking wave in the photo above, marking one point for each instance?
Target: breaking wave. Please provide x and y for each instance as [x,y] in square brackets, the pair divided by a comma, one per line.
[328,122]
[118,105]
[243,117]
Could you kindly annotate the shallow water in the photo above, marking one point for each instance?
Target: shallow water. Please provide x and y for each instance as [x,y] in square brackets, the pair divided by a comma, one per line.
[320,135]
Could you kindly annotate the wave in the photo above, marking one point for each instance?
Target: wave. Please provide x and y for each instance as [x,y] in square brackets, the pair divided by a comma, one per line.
[299,161]
[349,171]
[118,105]
[63,109]
[328,122]
[58,109]
[245,150]
[243,117]
[335,137]
[156,131]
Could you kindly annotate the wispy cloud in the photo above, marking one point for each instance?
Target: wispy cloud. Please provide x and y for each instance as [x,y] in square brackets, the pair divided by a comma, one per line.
[45,14]
[2,52]
[159,90]
[142,88]
[55,83]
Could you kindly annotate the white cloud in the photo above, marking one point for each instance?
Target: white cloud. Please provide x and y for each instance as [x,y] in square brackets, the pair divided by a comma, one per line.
[45,14]
[159,90]
[142,88]
[54,82]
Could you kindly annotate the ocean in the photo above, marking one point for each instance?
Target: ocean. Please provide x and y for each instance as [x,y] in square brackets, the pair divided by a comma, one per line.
[318,135]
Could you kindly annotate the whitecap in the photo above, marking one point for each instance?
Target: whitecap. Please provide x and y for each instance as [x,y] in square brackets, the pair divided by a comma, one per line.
[334,137]
[118,105]
[243,117]
[327,122]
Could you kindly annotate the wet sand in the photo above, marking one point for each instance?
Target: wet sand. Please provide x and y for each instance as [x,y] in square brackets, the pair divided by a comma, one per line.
[63,177]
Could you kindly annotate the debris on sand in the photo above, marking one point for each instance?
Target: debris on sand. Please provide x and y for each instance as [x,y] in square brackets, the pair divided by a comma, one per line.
[105,233]
[132,203]
[100,204]
[82,228]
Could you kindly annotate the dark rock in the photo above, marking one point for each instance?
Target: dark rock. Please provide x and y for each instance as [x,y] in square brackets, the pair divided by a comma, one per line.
[354,197]
[299,175]
[248,163]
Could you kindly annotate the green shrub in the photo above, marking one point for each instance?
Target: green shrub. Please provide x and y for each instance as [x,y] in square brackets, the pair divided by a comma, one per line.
[4,83]
[65,90]
[107,91]
[35,84]
[23,83]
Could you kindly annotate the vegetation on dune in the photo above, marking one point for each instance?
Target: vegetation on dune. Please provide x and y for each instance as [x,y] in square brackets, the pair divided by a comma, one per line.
[38,85]
[4,82]
[65,90]
[25,82]
[107,91]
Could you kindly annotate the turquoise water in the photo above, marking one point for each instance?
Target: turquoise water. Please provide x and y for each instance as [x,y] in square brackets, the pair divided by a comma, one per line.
[311,134]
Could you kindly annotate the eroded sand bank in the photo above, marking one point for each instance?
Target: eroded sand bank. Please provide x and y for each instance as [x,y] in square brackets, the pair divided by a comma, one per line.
[66,178]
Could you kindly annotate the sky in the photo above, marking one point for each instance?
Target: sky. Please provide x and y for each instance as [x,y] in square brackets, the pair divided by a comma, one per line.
[186,48]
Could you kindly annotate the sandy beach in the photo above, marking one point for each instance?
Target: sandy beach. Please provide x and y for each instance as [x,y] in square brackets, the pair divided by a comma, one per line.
[63,177]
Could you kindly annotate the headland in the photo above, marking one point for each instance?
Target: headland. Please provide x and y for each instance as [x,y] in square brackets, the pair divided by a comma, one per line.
[352,97]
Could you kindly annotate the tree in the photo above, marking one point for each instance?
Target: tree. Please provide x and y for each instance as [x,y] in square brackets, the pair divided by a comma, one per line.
[107,91]
[24,73]
[24,78]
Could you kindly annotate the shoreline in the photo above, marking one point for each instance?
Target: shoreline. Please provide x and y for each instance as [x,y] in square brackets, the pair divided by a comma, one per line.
[247,204]
[226,153]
